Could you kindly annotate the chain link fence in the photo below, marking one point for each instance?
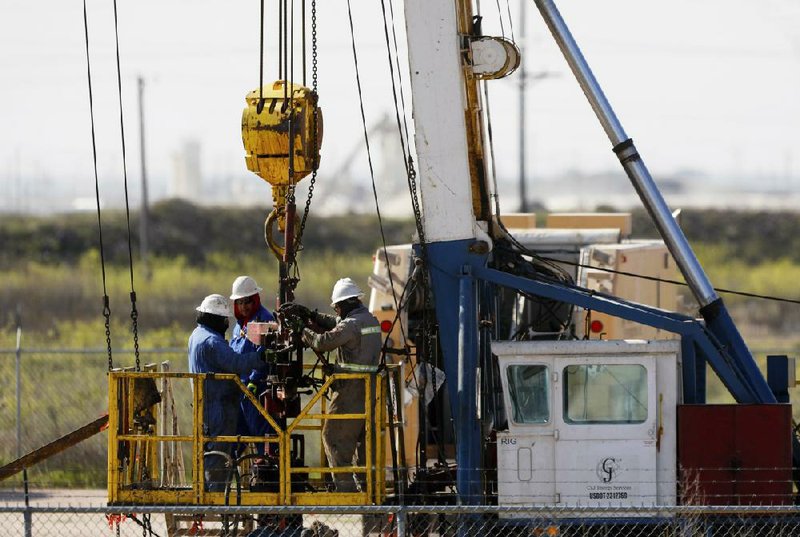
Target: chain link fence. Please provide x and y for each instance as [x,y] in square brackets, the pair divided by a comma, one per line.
[52,392]
[327,521]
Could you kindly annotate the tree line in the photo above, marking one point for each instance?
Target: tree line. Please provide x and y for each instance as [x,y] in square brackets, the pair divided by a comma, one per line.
[179,228]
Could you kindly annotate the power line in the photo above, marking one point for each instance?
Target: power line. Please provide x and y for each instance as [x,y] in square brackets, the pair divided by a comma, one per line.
[673,282]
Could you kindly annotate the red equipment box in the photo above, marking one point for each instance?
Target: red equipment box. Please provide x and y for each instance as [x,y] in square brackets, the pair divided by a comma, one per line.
[735,454]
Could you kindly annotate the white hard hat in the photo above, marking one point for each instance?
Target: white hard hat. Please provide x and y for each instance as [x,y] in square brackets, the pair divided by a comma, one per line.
[344,289]
[244,286]
[216,305]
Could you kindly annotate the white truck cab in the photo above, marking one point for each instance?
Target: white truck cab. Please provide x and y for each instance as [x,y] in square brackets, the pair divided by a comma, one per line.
[590,423]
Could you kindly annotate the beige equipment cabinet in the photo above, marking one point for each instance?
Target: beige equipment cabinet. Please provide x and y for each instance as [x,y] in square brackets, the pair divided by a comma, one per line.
[383,302]
[647,258]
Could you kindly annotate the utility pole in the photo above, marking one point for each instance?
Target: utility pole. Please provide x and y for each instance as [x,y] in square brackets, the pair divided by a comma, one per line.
[143,217]
[523,195]
[523,85]
[18,368]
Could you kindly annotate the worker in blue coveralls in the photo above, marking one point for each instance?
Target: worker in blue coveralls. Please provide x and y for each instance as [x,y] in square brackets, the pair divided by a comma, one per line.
[210,353]
[247,308]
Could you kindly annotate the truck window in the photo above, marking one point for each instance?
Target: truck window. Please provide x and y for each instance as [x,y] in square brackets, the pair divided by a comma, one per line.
[605,394]
[530,393]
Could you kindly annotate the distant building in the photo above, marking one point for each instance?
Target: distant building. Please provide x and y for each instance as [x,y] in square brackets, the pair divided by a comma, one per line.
[187,180]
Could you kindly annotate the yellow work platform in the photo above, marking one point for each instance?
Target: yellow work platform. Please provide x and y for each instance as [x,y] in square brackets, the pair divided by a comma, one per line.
[137,444]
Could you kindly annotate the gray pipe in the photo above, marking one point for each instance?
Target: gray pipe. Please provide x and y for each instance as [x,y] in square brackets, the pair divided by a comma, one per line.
[629,158]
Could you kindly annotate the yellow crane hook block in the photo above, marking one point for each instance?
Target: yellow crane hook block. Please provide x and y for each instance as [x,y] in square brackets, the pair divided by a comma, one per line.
[271,112]
[266,134]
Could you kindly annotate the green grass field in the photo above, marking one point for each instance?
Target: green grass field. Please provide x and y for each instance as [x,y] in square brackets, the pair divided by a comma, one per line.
[63,305]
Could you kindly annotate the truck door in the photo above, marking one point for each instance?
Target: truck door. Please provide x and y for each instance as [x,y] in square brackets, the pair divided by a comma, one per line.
[605,430]
[526,451]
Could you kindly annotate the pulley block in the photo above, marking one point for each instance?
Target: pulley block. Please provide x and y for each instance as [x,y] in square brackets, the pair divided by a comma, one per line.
[494,57]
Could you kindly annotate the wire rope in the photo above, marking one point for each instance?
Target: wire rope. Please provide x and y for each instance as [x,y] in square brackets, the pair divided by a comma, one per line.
[134,310]
[280,39]
[285,23]
[511,20]
[290,89]
[260,105]
[303,33]
[392,61]
[405,143]
[366,143]
[106,302]
[314,133]
[500,18]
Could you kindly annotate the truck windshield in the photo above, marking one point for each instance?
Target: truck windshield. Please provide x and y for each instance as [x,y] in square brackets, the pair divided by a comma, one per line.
[605,394]
[530,393]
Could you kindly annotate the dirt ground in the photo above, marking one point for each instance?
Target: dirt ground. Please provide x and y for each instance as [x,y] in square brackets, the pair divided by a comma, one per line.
[62,524]
[55,497]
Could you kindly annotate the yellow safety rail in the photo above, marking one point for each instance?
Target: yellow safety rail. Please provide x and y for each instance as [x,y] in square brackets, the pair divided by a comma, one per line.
[133,472]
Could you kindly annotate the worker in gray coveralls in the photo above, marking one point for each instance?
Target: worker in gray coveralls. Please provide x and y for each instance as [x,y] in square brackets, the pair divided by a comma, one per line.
[356,335]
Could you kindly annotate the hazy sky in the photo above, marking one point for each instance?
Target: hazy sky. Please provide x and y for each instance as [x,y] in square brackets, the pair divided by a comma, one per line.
[699,84]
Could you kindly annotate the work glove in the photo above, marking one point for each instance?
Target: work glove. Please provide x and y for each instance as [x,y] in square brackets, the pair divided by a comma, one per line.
[290,309]
[252,388]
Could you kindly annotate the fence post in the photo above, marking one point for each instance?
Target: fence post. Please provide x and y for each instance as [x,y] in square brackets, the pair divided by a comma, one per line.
[401,521]
[18,367]
[27,514]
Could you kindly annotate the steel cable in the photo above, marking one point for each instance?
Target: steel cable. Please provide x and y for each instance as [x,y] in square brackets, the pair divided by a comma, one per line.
[366,143]
[260,105]
[405,144]
[511,21]
[134,311]
[314,141]
[106,303]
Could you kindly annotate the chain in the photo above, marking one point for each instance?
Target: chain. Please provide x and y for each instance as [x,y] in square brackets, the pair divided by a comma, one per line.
[306,209]
[412,187]
[314,45]
[135,322]
[314,82]
[107,317]
[293,270]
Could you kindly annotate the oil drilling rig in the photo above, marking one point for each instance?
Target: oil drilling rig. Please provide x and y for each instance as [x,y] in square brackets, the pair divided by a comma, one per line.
[547,406]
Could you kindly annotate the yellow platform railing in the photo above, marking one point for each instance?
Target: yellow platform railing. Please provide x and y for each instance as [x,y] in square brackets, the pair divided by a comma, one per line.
[133,444]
